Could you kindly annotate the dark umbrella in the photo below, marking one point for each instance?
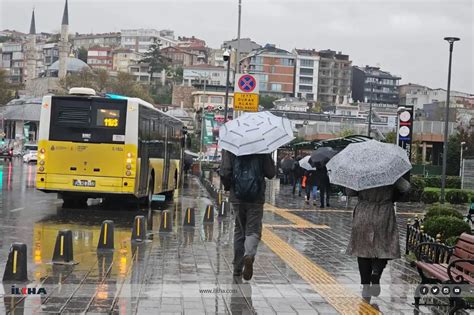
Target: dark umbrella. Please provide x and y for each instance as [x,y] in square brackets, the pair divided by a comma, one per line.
[322,155]
[287,164]
[188,159]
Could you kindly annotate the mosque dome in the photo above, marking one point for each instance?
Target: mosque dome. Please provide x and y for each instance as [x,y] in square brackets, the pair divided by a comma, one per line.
[72,65]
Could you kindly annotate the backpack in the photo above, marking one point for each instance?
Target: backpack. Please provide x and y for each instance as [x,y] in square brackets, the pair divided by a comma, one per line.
[248,177]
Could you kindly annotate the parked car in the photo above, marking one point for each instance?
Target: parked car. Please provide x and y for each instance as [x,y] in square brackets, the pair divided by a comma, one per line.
[30,157]
[6,153]
[31,153]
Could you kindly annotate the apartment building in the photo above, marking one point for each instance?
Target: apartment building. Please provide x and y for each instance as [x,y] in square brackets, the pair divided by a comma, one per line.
[306,74]
[212,75]
[93,40]
[140,40]
[275,69]
[123,58]
[334,77]
[373,85]
[100,58]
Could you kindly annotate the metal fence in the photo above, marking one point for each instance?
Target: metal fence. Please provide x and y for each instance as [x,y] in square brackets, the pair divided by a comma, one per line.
[467,179]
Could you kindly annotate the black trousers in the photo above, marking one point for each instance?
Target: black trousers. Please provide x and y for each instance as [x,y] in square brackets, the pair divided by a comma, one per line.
[369,267]
[324,190]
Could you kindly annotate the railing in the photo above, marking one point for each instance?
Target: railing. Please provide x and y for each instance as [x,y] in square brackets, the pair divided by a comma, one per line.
[425,246]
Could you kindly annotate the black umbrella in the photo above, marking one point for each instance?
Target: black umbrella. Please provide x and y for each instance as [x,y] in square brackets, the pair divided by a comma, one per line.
[322,155]
[287,164]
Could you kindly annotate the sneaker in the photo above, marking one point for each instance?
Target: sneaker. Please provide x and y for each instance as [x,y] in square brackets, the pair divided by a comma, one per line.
[237,273]
[327,205]
[314,203]
[307,202]
[248,268]
[375,287]
[299,194]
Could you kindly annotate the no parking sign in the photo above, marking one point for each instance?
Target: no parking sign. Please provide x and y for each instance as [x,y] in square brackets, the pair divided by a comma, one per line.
[246,93]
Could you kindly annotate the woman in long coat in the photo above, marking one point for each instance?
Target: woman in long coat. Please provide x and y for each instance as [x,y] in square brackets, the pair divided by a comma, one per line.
[374,237]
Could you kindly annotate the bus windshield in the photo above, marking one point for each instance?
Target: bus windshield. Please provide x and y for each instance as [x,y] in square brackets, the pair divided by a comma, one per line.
[95,120]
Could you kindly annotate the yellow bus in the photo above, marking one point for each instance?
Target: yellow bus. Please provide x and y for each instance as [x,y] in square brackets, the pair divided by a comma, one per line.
[106,147]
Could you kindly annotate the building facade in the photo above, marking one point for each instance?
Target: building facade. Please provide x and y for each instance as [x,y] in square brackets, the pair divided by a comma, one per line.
[140,40]
[13,61]
[372,85]
[100,58]
[180,57]
[418,95]
[334,77]
[275,69]
[306,74]
[97,40]
[212,75]
[123,58]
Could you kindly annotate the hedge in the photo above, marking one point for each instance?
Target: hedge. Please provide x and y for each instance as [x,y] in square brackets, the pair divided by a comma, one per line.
[429,197]
[417,188]
[442,210]
[435,181]
[447,226]
[457,196]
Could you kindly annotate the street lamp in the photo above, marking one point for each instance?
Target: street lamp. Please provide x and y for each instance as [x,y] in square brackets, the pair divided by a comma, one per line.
[201,153]
[370,108]
[451,41]
[226,56]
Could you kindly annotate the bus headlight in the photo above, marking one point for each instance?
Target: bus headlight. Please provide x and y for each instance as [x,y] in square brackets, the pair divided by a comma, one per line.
[41,156]
[128,173]
[129,161]
[129,166]
[129,155]
[42,150]
[41,169]
[41,162]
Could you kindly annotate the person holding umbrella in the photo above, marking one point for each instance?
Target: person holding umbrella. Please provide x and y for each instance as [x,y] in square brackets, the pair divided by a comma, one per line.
[297,173]
[309,179]
[318,159]
[372,171]
[246,161]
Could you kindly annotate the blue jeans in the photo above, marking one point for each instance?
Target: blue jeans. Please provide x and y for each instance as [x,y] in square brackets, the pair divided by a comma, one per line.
[311,190]
[297,183]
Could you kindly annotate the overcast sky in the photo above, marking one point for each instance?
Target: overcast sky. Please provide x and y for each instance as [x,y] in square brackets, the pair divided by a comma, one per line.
[404,37]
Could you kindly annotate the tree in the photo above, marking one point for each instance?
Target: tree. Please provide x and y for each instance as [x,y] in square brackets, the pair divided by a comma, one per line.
[267,101]
[7,92]
[391,137]
[345,133]
[82,54]
[155,60]
[84,78]
[176,75]
[102,79]
[126,84]
[454,150]
[316,108]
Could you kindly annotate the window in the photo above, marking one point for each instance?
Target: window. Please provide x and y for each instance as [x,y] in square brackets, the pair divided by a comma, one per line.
[276,87]
[307,63]
[215,74]
[272,70]
[304,80]
[286,62]
[306,88]
[305,71]
[204,98]
[216,99]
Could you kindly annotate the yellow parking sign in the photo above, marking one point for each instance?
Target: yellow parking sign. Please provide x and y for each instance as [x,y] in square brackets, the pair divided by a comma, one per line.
[247,102]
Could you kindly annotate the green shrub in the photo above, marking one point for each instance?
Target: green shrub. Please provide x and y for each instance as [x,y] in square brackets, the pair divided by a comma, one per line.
[429,197]
[450,241]
[447,226]
[457,196]
[416,189]
[453,182]
[439,210]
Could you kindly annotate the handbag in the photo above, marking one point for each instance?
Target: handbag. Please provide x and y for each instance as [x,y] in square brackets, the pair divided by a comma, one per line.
[303,182]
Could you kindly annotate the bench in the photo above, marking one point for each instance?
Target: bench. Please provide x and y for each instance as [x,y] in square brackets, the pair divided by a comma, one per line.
[441,264]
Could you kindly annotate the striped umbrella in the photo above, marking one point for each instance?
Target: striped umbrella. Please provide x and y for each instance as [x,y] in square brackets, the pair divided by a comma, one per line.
[255,133]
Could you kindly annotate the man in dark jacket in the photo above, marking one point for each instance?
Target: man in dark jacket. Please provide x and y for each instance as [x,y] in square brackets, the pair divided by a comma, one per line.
[298,173]
[248,215]
[322,181]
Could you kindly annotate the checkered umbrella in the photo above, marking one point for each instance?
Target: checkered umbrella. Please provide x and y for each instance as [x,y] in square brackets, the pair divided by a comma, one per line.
[255,133]
[368,164]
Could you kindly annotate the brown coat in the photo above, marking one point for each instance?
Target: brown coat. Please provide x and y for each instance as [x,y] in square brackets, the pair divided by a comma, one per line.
[374,225]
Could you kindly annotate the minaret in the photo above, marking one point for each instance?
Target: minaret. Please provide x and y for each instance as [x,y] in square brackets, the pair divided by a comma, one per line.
[64,44]
[31,50]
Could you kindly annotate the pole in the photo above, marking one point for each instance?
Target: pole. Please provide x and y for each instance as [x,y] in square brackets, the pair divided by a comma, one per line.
[226,104]
[451,41]
[237,61]
[460,160]
[202,130]
[370,109]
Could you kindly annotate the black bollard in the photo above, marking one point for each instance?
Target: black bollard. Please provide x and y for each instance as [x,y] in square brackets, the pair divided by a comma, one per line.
[106,239]
[63,250]
[139,229]
[189,217]
[166,225]
[224,209]
[209,214]
[16,268]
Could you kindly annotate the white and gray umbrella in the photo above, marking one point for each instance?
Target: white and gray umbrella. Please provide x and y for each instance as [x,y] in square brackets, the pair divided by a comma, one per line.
[304,163]
[255,133]
[368,164]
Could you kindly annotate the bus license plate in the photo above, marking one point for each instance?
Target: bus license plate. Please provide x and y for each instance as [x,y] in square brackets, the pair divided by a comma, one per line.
[83,183]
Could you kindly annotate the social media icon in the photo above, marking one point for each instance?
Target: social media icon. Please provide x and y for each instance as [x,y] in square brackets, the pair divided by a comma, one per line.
[434,290]
[457,290]
[446,290]
[424,290]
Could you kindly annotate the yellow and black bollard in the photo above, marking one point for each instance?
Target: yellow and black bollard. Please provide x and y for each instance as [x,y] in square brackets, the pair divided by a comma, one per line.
[139,229]
[166,224]
[63,250]
[189,218]
[209,214]
[224,209]
[106,239]
[16,268]
[219,197]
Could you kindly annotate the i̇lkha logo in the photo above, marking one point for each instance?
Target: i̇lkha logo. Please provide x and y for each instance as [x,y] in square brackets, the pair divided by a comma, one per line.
[27,291]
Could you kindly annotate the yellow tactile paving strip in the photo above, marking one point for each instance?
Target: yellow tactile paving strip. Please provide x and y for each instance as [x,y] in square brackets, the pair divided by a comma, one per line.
[293,218]
[341,298]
